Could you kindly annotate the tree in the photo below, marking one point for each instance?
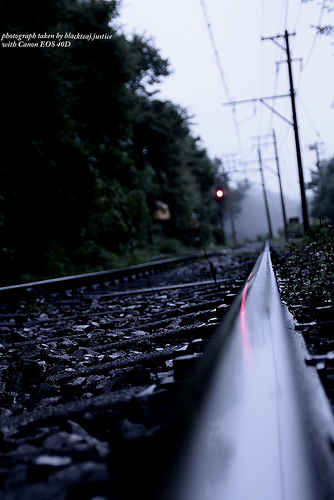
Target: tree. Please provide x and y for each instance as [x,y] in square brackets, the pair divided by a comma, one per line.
[323,187]
[183,173]
[329,28]
[86,145]
[68,126]
[233,195]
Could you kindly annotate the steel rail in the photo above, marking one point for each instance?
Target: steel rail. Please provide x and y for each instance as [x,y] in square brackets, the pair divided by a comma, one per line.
[13,292]
[251,430]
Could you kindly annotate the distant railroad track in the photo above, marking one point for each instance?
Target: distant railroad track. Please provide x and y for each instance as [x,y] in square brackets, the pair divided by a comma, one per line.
[103,278]
[91,366]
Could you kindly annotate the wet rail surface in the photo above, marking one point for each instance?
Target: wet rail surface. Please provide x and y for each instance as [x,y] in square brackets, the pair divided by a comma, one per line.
[89,376]
[258,431]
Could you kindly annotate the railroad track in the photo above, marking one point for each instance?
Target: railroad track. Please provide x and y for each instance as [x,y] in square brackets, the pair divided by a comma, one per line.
[91,367]
[262,427]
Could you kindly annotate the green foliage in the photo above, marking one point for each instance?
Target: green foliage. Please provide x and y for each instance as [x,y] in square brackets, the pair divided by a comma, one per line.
[118,215]
[262,237]
[323,186]
[183,173]
[86,147]
[68,119]
[170,247]
[327,29]
[307,278]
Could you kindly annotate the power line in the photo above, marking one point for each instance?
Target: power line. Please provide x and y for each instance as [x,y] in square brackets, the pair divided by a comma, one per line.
[262,143]
[215,50]
[315,38]
[286,13]
[295,125]
[294,122]
[274,94]
[281,22]
[299,13]
[261,65]
[309,117]
[221,72]
[265,193]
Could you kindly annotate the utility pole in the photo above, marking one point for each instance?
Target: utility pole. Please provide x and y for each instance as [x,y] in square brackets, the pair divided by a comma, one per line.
[280,186]
[229,203]
[295,126]
[278,175]
[231,214]
[265,194]
[294,122]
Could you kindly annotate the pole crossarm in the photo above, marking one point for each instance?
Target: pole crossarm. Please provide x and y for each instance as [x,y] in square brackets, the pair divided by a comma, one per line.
[262,99]
[276,112]
[277,36]
[273,38]
[293,123]
[254,99]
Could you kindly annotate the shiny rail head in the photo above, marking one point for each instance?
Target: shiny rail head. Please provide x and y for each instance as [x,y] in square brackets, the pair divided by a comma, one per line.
[244,428]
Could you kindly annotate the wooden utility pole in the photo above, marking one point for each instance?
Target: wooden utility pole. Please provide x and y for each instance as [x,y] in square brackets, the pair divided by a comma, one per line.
[295,125]
[294,122]
[295,128]
[278,175]
[231,215]
[229,203]
[265,194]
[280,186]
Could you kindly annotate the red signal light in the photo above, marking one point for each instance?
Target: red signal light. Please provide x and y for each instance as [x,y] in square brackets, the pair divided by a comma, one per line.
[220,193]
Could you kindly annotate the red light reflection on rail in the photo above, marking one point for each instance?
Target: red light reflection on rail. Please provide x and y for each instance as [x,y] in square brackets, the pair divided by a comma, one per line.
[244,326]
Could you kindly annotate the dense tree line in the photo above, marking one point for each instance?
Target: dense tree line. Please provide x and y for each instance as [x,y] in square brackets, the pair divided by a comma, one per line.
[88,149]
[323,187]
[322,177]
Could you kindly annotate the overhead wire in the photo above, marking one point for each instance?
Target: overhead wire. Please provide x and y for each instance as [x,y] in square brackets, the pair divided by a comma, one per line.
[215,51]
[298,16]
[314,41]
[272,115]
[261,66]
[305,64]
[282,20]
[309,117]
[221,72]
[286,13]
[283,25]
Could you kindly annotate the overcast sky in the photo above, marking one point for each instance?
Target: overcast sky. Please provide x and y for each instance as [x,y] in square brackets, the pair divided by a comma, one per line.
[179,29]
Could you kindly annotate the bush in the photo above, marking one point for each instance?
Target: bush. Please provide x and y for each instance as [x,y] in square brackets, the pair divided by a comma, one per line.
[308,275]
